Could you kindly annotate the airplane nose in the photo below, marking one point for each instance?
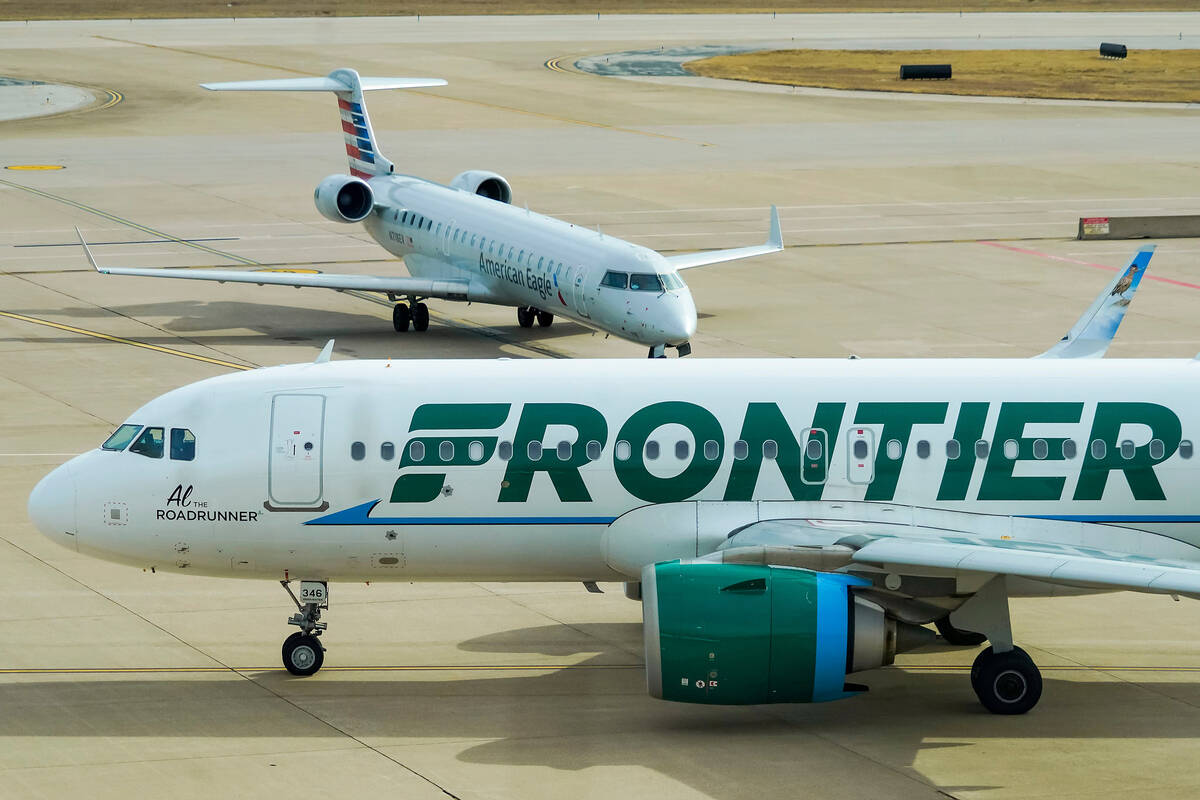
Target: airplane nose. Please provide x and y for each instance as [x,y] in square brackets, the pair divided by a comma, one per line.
[52,506]
[679,320]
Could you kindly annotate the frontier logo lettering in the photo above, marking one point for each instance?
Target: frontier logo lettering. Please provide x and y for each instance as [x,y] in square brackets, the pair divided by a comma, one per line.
[468,436]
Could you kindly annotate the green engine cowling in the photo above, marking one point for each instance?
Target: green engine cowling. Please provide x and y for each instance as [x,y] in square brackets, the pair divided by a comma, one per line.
[734,634]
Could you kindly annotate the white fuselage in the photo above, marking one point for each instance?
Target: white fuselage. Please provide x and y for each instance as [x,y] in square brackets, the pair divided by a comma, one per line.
[513,256]
[374,470]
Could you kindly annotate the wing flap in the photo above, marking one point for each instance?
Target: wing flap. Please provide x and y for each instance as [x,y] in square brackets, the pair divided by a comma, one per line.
[1103,569]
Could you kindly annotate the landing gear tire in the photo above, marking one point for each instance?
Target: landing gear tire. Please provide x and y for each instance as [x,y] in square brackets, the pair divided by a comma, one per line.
[658,351]
[544,318]
[400,317]
[303,654]
[957,636]
[525,316]
[420,317]
[1006,683]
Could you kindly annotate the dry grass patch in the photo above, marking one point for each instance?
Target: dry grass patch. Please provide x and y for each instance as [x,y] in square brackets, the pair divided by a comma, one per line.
[1154,75]
[123,9]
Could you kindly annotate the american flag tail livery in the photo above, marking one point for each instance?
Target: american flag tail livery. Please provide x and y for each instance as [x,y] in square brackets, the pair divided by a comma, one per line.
[365,159]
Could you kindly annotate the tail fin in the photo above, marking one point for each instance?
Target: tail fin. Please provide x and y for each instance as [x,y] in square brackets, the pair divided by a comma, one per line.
[365,159]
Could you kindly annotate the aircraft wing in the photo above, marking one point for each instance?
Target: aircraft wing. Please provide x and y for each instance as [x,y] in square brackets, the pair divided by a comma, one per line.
[773,244]
[1081,555]
[1093,332]
[400,285]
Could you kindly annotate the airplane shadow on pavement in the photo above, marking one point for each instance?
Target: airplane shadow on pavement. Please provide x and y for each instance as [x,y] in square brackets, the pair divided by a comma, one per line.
[597,714]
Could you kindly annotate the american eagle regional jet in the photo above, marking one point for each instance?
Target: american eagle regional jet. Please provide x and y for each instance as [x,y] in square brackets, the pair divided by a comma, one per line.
[786,523]
[466,242]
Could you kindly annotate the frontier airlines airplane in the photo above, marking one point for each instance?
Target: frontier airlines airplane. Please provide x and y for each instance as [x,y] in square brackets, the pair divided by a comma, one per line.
[786,523]
[466,242]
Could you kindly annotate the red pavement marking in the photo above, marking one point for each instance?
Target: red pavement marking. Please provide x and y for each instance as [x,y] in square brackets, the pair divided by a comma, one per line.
[1105,267]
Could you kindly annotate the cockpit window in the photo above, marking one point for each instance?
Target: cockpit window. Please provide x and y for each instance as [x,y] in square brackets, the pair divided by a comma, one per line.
[645,282]
[149,444]
[121,437]
[617,280]
[672,280]
[183,445]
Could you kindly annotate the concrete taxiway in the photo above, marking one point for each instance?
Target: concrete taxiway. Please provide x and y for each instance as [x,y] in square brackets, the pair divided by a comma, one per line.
[919,228]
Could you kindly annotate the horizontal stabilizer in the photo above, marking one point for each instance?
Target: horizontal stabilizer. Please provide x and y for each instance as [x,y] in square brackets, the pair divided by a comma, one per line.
[1093,332]
[328,84]
[773,244]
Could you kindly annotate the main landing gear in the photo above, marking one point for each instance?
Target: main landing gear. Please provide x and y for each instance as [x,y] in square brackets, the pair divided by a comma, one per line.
[303,653]
[417,316]
[1004,677]
[526,315]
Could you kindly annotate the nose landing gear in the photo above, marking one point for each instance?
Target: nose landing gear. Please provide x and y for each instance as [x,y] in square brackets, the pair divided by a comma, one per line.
[303,653]
[660,350]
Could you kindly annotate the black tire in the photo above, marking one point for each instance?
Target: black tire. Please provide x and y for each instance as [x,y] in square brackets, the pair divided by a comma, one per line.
[303,654]
[400,317]
[957,636]
[420,317]
[1006,683]
[544,318]
[525,316]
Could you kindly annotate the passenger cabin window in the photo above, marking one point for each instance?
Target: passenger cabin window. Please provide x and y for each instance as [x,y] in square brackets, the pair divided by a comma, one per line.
[475,451]
[953,450]
[741,450]
[564,451]
[615,280]
[149,444]
[358,451]
[623,451]
[183,445]
[1157,449]
[981,448]
[387,451]
[894,449]
[416,452]
[534,451]
[860,449]
[1041,449]
[1128,448]
[812,450]
[682,449]
[645,282]
[593,450]
[1185,448]
[770,449]
[446,451]
[1069,449]
[652,450]
[923,448]
[121,437]
[712,450]
[1098,449]
[1011,449]
[505,451]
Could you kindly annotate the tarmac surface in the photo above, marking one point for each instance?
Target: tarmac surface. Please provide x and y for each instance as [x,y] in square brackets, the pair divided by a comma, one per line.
[922,228]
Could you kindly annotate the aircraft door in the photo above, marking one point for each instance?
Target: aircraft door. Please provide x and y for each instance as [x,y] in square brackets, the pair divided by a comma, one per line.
[860,455]
[814,461]
[297,443]
[581,292]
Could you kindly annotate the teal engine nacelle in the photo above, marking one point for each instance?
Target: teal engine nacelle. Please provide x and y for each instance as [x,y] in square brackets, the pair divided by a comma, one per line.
[733,634]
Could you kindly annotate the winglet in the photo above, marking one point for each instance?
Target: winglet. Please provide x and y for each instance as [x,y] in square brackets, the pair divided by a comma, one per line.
[775,237]
[326,353]
[1093,332]
[87,251]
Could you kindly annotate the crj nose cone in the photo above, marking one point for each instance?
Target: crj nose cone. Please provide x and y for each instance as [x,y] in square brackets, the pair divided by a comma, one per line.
[52,506]
[679,320]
